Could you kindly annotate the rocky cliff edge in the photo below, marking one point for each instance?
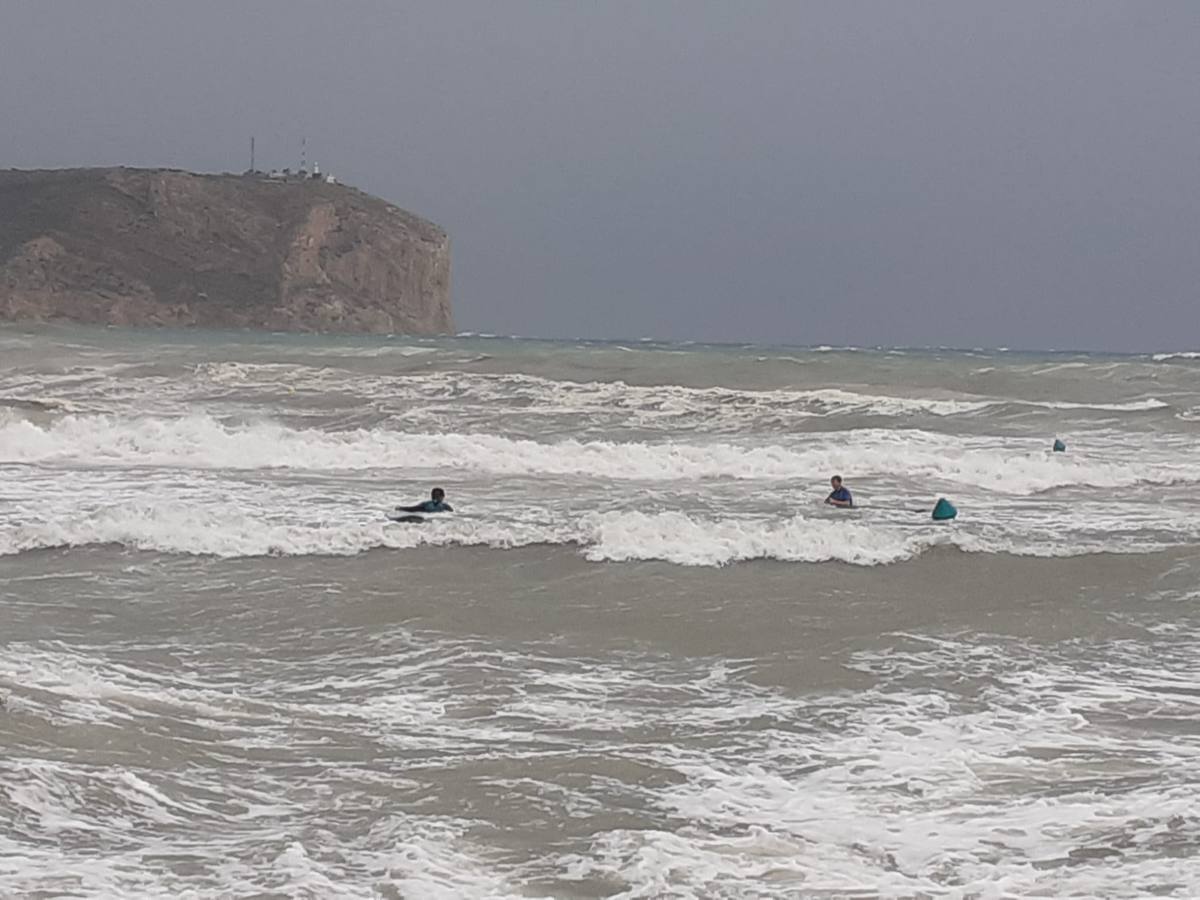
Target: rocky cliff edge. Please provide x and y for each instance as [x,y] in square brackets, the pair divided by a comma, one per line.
[164,247]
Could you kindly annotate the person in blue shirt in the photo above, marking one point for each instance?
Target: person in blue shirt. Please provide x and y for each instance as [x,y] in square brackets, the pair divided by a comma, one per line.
[840,496]
[436,504]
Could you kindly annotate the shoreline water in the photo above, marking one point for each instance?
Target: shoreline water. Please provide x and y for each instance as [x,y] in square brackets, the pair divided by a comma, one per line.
[524,723]
[934,591]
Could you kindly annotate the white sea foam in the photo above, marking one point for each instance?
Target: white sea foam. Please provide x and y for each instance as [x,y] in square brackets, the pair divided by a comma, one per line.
[188,727]
[535,391]
[538,396]
[976,765]
[203,442]
[1132,406]
[439,399]
[179,528]
[910,791]
[673,537]
[685,540]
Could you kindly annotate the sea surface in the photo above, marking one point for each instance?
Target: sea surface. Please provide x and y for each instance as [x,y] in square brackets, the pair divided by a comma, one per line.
[641,659]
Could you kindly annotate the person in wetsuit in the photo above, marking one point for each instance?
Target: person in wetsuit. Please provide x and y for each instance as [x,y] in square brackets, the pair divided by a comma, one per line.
[840,496]
[436,504]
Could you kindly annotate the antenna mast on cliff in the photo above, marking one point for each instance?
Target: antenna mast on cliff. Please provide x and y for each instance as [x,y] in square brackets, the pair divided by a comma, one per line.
[252,155]
[303,154]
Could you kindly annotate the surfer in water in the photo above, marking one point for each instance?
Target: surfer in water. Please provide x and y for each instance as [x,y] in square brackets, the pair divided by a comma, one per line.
[436,504]
[839,496]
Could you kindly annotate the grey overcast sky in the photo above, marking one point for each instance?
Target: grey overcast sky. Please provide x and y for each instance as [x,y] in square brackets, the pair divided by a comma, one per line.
[1021,174]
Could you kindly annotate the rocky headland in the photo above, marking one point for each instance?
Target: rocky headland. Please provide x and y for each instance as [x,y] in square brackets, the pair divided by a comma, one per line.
[165,247]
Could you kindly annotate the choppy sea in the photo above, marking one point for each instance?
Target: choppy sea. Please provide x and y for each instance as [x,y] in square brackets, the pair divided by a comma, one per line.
[640,659]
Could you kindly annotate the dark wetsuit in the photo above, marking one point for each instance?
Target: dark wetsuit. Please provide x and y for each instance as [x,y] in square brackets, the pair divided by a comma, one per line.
[429,506]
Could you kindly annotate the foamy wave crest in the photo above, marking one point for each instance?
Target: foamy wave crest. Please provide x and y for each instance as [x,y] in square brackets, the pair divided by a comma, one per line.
[1132,406]
[694,541]
[540,395]
[202,442]
[601,537]
[175,528]
[681,539]
[537,394]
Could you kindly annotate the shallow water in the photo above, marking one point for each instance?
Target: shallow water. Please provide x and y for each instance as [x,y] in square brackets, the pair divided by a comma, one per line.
[226,674]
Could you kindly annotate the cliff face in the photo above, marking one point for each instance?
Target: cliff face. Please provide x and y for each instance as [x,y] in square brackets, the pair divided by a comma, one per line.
[157,247]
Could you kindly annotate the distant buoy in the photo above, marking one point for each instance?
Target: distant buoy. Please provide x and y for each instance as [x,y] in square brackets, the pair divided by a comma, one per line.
[944,510]
[1059,446]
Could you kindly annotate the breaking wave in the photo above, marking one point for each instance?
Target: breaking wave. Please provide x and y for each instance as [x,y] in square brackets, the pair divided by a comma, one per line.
[204,442]
[540,393]
[672,537]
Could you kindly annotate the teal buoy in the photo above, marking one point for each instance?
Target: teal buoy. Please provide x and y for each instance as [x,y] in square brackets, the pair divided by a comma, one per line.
[943,510]
[1059,446]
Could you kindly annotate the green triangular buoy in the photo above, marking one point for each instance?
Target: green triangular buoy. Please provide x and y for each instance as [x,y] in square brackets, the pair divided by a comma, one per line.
[1059,446]
[944,510]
